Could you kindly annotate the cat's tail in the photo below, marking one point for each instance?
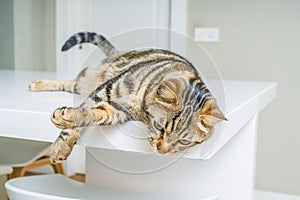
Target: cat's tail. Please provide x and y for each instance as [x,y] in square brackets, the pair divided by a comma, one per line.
[89,37]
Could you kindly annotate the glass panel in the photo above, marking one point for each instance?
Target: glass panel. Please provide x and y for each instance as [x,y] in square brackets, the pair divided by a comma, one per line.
[27,34]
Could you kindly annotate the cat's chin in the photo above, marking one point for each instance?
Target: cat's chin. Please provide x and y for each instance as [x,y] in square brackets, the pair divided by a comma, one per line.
[164,151]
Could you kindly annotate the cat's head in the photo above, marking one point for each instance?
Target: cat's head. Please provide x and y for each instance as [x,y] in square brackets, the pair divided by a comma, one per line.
[183,114]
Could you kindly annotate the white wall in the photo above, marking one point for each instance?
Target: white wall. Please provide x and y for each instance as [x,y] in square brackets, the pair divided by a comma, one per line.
[259,40]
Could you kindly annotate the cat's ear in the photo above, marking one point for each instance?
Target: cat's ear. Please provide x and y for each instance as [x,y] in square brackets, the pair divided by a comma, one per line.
[211,114]
[168,90]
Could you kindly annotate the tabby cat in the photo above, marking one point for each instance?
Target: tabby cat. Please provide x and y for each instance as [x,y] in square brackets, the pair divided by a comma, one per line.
[157,87]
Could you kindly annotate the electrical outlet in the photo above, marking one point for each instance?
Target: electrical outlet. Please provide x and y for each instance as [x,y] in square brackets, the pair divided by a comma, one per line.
[204,34]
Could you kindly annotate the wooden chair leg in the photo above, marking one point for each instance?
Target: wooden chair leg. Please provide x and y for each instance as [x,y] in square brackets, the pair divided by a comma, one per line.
[20,171]
[17,172]
[58,168]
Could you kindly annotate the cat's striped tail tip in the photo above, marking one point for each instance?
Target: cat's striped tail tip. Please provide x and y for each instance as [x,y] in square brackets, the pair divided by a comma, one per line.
[67,46]
[72,41]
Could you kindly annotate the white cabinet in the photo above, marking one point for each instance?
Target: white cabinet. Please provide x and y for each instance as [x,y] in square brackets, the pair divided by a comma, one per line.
[218,168]
[223,166]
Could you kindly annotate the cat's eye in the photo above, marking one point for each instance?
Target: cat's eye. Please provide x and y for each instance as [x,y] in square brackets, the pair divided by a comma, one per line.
[157,126]
[184,141]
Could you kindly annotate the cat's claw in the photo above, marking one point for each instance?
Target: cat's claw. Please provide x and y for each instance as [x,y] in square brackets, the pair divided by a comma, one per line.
[63,118]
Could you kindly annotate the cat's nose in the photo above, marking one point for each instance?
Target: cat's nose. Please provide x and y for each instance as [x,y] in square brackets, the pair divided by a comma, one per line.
[160,149]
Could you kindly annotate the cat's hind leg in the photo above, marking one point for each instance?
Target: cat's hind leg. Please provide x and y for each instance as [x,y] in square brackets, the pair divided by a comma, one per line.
[53,85]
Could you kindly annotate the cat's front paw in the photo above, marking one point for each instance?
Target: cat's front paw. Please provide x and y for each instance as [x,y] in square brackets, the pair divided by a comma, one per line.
[63,145]
[63,118]
[59,151]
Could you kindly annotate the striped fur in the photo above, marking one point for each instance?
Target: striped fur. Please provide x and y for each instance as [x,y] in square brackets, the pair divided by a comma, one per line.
[154,86]
[87,37]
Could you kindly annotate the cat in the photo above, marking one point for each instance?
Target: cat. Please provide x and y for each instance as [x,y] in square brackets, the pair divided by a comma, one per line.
[157,87]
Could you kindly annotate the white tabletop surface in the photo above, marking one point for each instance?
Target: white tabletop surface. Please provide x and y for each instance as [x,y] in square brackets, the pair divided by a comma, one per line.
[26,114]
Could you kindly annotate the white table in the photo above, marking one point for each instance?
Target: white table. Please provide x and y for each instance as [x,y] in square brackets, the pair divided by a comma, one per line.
[220,168]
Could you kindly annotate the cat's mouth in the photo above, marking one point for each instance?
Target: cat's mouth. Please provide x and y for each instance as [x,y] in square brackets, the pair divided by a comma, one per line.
[162,150]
